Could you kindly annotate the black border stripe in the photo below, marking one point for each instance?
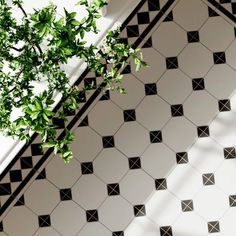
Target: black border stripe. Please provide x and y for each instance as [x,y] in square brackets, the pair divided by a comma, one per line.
[223,10]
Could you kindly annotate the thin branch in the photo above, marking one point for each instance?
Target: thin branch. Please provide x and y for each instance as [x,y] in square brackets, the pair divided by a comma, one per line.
[18,49]
[22,9]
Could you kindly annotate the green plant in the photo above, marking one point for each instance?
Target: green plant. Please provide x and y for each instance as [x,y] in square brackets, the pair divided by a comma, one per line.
[24,61]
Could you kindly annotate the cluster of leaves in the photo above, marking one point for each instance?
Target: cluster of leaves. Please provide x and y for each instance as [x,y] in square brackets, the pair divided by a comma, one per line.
[34,50]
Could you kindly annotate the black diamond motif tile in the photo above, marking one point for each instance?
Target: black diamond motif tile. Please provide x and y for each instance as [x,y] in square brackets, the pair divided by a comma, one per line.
[150,89]
[118,233]
[182,157]
[42,175]
[219,58]
[1,226]
[92,215]
[143,18]
[153,5]
[108,141]
[65,194]
[198,84]
[213,227]
[68,112]
[212,13]
[5,189]
[232,200]
[129,115]
[86,168]
[148,43]
[166,231]
[187,205]
[26,162]
[203,131]
[81,97]
[126,70]
[193,36]
[139,210]
[113,189]
[235,32]
[20,201]
[90,83]
[160,184]
[15,175]
[36,149]
[208,179]
[44,220]
[169,17]
[233,4]
[105,96]
[177,110]
[59,123]
[132,31]
[172,63]
[224,105]
[134,163]
[229,153]
[155,136]
[84,122]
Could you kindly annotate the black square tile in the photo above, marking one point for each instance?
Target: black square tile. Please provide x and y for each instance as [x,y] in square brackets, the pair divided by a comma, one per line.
[134,163]
[232,200]
[169,17]
[68,112]
[143,18]
[15,175]
[44,220]
[36,149]
[118,233]
[182,157]
[139,210]
[229,153]
[193,36]
[150,89]
[26,162]
[203,131]
[86,168]
[105,96]
[160,184]
[42,175]
[132,31]
[172,63]
[177,110]
[198,84]
[219,58]
[155,136]
[5,189]
[65,194]
[212,13]
[124,40]
[187,205]
[126,70]
[113,189]
[108,141]
[92,215]
[166,231]
[20,201]
[1,227]
[84,122]
[148,43]
[224,105]
[153,5]
[208,179]
[213,227]
[129,115]
[82,97]
[233,4]
[59,123]
[90,83]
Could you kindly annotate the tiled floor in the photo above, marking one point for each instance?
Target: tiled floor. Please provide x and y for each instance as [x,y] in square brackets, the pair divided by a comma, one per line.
[158,161]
